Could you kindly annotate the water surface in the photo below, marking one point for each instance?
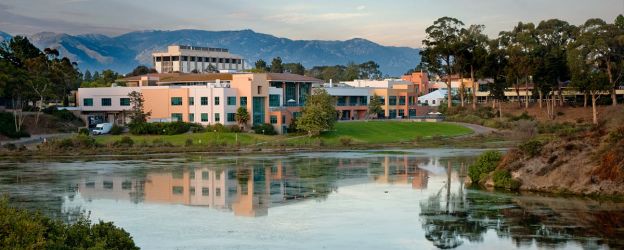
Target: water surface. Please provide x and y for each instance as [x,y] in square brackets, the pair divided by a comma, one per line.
[411,199]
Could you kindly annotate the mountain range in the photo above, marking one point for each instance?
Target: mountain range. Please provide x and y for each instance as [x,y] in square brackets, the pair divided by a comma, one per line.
[124,52]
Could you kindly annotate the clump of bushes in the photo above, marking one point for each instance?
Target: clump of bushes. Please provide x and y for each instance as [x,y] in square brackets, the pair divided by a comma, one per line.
[503,179]
[76,142]
[233,129]
[266,129]
[345,140]
[160,128]
[159,142]
[116,130]
[188,142]
[523,116]
[7,126]
[485,164]
[531,148]
[21,229]
[125,141]
[84,131]
[217,127]
[64,115]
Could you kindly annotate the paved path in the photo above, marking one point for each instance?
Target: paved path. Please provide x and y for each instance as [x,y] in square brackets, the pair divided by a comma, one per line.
[35,139]
[478,129]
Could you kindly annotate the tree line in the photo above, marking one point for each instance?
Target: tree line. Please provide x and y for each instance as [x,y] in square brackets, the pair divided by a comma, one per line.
[550,55]
[349,72]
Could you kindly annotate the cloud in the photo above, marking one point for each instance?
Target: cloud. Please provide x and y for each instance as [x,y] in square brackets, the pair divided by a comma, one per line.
[361,7]
[300,18]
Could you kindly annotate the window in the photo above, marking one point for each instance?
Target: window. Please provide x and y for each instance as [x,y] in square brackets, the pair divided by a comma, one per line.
[227,60]
[218,192]
[216,100]
[218,176]
[412,112]
[363,100]
[393,113]
[126,185]
[158,58]
[243,101]
[176,117]
[393,100]
[191,117]
[124,101]
[401,112]
[231,117]
[217,117]
[87,102]
[283,119]
[176,101]
[177,190]
[274,100]
[401,100]
[192,174]
[106,102]
[231,100]
[184,58]
[191,101]
[192,190]
[204,117]
[205,191]
[220,60]
[204,101]
[273,119]
[205,175]
[411,100]
[199,59]
[259,89]
[175,58]
[433,101]
[107,184]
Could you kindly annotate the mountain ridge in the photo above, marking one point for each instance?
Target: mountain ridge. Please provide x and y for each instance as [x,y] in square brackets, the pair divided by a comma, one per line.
[124,52]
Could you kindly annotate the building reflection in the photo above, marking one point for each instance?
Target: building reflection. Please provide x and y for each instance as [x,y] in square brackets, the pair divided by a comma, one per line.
[249,188]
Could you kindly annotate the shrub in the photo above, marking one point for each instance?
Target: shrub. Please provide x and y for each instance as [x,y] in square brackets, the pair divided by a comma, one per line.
[7,127]
[523,116]
[502,179]
[125,141]
[64,115]
[21,229]
[233,129]
[10,146]
[159,142]
[116,130]
[531,148]
[266,129]
[345,140]
[217,127]
[84,131]
[485,164]
[616,135]
[159,128]
[197,128]
[188,142]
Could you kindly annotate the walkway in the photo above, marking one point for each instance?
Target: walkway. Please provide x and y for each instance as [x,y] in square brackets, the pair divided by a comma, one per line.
[35,139]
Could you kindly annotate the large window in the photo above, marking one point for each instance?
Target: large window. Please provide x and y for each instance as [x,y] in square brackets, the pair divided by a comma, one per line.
[205,191]
[217,117]
[106,102]
[204,117]
[191,101]
[411,100]
[176,117]
[231,100]
[401,100]
[231,117]
[216,101]
[291,94]
[124,101]
[273,119]
[258,110]
[342,101]
[204,101]
[176,101]
[87,102]
[353,100]
[243,101]
[402,112]
[304,92]
[392,101]
[191,117]
[274,100]
[393,113]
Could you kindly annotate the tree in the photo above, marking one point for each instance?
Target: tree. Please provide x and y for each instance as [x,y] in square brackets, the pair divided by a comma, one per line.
[211,69]
[294,68]
[138,114]
[87,76]
[351,72]
[369,70]
[374,106]
[142,70]
[520,44]
[495,66]
[318,114]
[261,66]
[242,116]
[474,51]
[440,48]
[276,65]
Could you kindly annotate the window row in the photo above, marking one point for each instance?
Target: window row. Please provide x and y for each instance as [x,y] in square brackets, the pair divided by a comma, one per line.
[230,117]
[205,191]
[124,101]
[197,59]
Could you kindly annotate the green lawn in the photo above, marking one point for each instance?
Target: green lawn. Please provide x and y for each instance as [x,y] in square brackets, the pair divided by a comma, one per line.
[371,132]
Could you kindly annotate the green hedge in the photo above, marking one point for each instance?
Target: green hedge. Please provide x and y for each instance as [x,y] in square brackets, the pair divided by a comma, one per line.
[7,126]
[160,128]
[266,129]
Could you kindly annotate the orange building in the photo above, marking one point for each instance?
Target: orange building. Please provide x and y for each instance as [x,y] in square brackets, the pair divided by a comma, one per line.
[420,79]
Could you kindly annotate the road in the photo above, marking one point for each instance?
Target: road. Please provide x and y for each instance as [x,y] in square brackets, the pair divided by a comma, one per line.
[35,139]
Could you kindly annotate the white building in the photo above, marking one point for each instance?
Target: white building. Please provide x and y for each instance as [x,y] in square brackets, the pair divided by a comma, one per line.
[433,99]
[187,59]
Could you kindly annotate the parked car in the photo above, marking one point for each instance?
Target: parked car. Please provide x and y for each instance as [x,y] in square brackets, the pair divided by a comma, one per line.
[102,128]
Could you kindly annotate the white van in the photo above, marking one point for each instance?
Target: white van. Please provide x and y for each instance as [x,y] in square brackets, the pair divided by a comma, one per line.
[102,128]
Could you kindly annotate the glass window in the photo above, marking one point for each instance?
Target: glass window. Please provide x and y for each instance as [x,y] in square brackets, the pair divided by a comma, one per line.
[393,113]
[192,174]
[353,100]
[192,190]
[177,189]
[216,100]
[411,100]
[124,101]
[258,110]
[217,175]
[175,58]
[291,94]
[363,100]
[176,117]
[158,58]
[176,101]
[184,58]
[227,60]
[204,101]
[274,100]
[205,175]
[217,117]
[273,119]
[204,117]
[401,100]
[87,102]
[191,117]
[218,192]
[231,100]
[304,92]
[393,100]
[401,112]
[231,117]
[243,101]
[205,191]
[199,59]
[191,101]
[106,102]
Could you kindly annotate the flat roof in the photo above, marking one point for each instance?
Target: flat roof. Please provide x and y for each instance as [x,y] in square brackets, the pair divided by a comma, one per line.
[289,77]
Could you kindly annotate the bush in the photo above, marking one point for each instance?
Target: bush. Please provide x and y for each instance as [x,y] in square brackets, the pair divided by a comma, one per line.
[64,115]
[125,141]
[7,127]
[234,129]
[266,129]
[10,147]
[485,164]
[531,148]
[21,229]
[159,128]
[76,142]
[188,142]
[616,135]
[523,116]
[159,142]
[84,131]
[345,140]
[217,127]
[116,130]
[197,128]
[502,179]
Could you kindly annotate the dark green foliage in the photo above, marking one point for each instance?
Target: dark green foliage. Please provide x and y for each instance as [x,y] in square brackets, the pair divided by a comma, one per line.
[125,141]
[188,142]
[503,179]
[233,129]
[7,127]
[523,116]
[77,142]
[265,129]
[20,229]
[346,141]
[64,115]
[485,164]
[217,127]
[531,148]
[10,147]
[197,128]
[116,130]
[160,128]
[84,131]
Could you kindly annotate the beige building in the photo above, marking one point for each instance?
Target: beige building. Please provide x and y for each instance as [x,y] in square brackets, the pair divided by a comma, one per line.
[187,59]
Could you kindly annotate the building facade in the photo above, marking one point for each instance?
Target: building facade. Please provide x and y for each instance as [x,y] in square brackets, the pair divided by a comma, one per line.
[398,97]
[420,79]
[193,59]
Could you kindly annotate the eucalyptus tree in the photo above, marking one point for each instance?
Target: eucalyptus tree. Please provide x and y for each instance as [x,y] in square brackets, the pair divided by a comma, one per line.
[520,44]
[441,48]
[474,50]
[495,66]
[588,62]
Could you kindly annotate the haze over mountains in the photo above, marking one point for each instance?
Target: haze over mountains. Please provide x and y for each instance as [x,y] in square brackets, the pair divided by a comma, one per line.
[123,53]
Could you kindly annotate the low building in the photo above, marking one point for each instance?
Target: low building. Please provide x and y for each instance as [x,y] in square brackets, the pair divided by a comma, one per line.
[434,98]
[194,59]
[398,97]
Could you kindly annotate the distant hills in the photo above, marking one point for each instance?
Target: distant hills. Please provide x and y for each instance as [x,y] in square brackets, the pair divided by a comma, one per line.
[123,53]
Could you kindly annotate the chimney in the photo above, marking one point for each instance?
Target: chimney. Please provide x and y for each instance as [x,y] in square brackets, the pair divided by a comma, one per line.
[331,83]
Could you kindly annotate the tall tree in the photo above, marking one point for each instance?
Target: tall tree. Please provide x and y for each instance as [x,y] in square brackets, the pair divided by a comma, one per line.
[520,44]
[474,44]
[370,70]
[142,70]
[318,114]
[374,106]
[294,68]
[138,114]
[495,65]
[87,76]
[261,66]
[276,65]
[242,117]
[440,48]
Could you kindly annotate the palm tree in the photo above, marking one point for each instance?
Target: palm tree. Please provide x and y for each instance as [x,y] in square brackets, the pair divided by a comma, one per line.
[242,117]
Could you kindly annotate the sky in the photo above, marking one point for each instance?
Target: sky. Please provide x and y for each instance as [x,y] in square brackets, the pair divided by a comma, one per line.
[388,22]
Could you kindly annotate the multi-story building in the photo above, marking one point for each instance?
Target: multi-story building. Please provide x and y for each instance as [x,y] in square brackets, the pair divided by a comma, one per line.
[398,97]
[201,98]
[187,59]
[420,79]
